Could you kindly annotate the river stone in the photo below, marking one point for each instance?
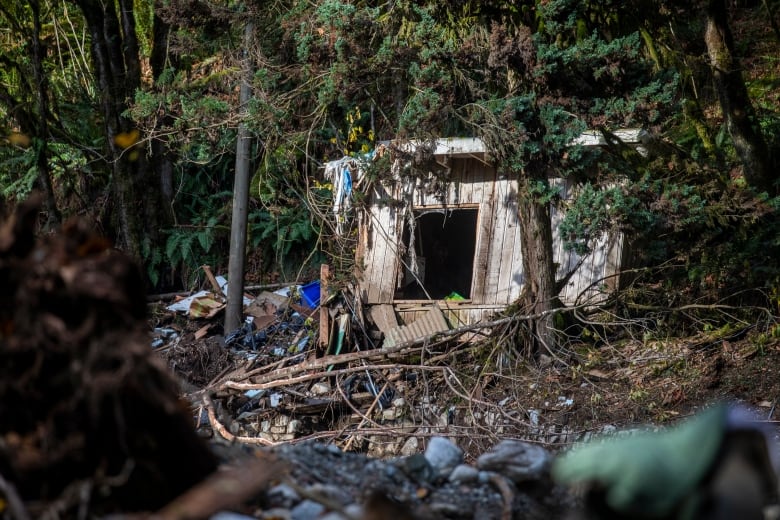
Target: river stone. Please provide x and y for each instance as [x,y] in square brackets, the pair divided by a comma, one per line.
[518,461]
[443,455]
[283,495]
[464,474]
[307,510]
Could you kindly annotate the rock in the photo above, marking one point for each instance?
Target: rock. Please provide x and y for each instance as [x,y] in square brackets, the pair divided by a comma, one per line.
[294,426]
[354,511]
[443,456]
[391,414]
[464,474]
[417,468]
[277,513]
[229,515]
[320,389]
[333,515]
[307,510]
[330,492]
[283,496]
[410,447]
[519,461]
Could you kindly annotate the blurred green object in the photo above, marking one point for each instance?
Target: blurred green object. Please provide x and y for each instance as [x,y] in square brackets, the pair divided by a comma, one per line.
[454,296]
[653,474]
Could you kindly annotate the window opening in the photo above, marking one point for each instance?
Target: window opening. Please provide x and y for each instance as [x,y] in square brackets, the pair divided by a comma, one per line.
[439,259]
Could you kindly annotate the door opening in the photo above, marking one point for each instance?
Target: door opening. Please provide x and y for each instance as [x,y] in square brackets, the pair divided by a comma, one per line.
[440,259]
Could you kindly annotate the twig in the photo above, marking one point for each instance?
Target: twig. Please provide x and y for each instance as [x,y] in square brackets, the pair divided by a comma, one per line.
[364,417]
[220,428]
[500,482]
[15,504]
[213,281]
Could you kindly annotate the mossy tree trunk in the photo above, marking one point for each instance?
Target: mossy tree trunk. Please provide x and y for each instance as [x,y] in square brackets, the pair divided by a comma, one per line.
[738,112]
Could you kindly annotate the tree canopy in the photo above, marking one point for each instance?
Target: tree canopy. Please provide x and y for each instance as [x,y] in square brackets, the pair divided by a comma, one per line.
[127,112]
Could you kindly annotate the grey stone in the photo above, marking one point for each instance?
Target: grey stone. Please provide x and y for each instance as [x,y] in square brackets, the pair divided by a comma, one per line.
[417,468]
[331,492]
[483,477]
[283,495]
[410,447]
[307,510]
[443,455]
[333,515]
[518,461]
[277,513]
[354,510]
[464,474]
[229,515]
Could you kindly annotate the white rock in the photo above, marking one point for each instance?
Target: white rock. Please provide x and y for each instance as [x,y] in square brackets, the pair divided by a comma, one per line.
[410,447]
[294,425]
[320,388]
[443,455]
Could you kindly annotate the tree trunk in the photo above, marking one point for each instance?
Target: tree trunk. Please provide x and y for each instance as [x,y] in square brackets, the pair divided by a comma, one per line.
[163,157]
[540,294]
[234,315]
[114,48]
[737,109]
[53,217]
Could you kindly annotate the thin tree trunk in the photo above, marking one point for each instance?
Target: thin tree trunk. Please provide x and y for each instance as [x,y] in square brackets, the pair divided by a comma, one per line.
[235,298]
[163,157]
[734,100]
[53,217]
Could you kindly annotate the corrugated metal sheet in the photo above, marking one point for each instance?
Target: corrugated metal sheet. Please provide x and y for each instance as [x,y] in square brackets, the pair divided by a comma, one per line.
[426,325]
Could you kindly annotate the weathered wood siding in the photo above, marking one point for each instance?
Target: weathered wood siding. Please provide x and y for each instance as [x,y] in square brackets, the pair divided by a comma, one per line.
[597,274]
[498,267]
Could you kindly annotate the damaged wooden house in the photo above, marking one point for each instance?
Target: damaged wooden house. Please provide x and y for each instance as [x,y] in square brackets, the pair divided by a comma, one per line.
[433,257]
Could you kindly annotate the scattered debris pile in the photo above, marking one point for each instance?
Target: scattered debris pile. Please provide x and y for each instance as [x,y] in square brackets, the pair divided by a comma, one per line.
[308,364]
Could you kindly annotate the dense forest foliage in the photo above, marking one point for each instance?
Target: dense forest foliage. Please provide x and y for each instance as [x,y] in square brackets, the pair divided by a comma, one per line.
[126,112]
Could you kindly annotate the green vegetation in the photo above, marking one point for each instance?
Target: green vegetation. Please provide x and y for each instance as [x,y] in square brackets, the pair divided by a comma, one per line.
[136,130]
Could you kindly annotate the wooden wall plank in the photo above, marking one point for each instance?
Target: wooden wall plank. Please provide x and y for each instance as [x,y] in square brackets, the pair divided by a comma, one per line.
[510,251]
[501,214]
[485,233]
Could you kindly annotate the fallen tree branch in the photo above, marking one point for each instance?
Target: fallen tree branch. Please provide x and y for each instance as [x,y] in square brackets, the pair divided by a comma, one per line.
[282,381]
[324,362]
[220,428]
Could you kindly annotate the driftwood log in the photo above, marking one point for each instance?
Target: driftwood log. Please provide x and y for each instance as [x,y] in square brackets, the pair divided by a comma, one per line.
[89,417]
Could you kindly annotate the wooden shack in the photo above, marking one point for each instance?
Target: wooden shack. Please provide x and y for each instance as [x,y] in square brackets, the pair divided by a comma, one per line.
[458,247]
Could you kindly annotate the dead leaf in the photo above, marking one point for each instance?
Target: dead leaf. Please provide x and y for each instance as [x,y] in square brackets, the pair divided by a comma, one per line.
[598,374]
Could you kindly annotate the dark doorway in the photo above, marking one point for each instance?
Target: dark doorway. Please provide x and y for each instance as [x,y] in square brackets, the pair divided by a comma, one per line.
[444,245]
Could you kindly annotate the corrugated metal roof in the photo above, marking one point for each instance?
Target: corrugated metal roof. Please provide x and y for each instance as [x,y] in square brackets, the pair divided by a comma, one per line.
[426,325]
